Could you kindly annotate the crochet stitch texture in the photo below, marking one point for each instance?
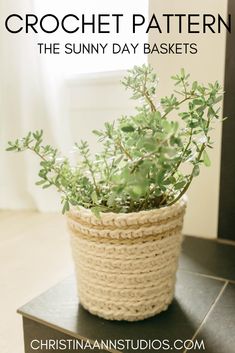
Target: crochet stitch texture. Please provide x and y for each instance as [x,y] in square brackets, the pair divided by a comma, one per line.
[126,263]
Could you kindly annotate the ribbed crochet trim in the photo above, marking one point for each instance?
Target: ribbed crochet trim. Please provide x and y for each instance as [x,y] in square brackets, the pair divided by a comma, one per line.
[126,263]
[85,216]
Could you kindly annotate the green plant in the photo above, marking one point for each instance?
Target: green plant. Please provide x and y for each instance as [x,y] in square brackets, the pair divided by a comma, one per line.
[140,165]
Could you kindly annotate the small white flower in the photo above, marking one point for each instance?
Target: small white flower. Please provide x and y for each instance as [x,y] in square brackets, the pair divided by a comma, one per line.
[59,160]
[192,155]
[203,139]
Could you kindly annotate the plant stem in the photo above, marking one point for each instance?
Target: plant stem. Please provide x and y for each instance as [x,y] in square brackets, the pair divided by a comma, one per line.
[179,103]
[92,174]
[150,102]
[183,191]
[182,155]
[56,170]
[146,95]
[123,149]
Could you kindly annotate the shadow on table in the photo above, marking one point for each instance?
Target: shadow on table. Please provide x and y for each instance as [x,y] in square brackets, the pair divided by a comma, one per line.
[208,257]
[170,325]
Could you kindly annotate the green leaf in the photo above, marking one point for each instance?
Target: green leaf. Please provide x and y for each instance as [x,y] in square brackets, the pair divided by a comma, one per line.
[196,170]
[150,145]
[46,186]
[137,190]
[157,115]
[41,182]
[65,207]
[206,159]
[182,72]
[128,128]
[160,177]
[94,197]
[111,199]
[218,99]
[167,181]
[96,211]
[194,85]
[198,101]
[225,118]
[211,113]
[166,126]
[179,185]
[184,115]
[11,148]
[97,133]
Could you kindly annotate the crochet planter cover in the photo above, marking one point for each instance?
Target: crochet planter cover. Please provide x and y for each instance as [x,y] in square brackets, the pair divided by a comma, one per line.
[126,263]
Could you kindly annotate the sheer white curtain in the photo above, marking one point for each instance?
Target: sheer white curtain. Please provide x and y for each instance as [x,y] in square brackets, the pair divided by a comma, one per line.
[33,94]
[30,98]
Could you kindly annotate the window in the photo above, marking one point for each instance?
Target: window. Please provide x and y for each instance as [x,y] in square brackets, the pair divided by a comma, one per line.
[73,64]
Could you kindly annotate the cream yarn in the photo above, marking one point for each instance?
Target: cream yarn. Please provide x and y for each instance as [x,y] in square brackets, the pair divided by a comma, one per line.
[126,263]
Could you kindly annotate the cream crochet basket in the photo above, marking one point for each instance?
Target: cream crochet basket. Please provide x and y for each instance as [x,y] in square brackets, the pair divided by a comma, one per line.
[126,263]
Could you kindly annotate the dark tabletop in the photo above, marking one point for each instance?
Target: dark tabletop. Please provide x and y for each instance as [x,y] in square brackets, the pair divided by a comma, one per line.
[203,308]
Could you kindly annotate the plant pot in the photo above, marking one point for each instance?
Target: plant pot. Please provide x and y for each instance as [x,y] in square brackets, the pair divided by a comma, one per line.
[126,263]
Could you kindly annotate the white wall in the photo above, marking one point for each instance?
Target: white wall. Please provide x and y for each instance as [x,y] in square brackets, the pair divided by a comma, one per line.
[95,99]
[207,66]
